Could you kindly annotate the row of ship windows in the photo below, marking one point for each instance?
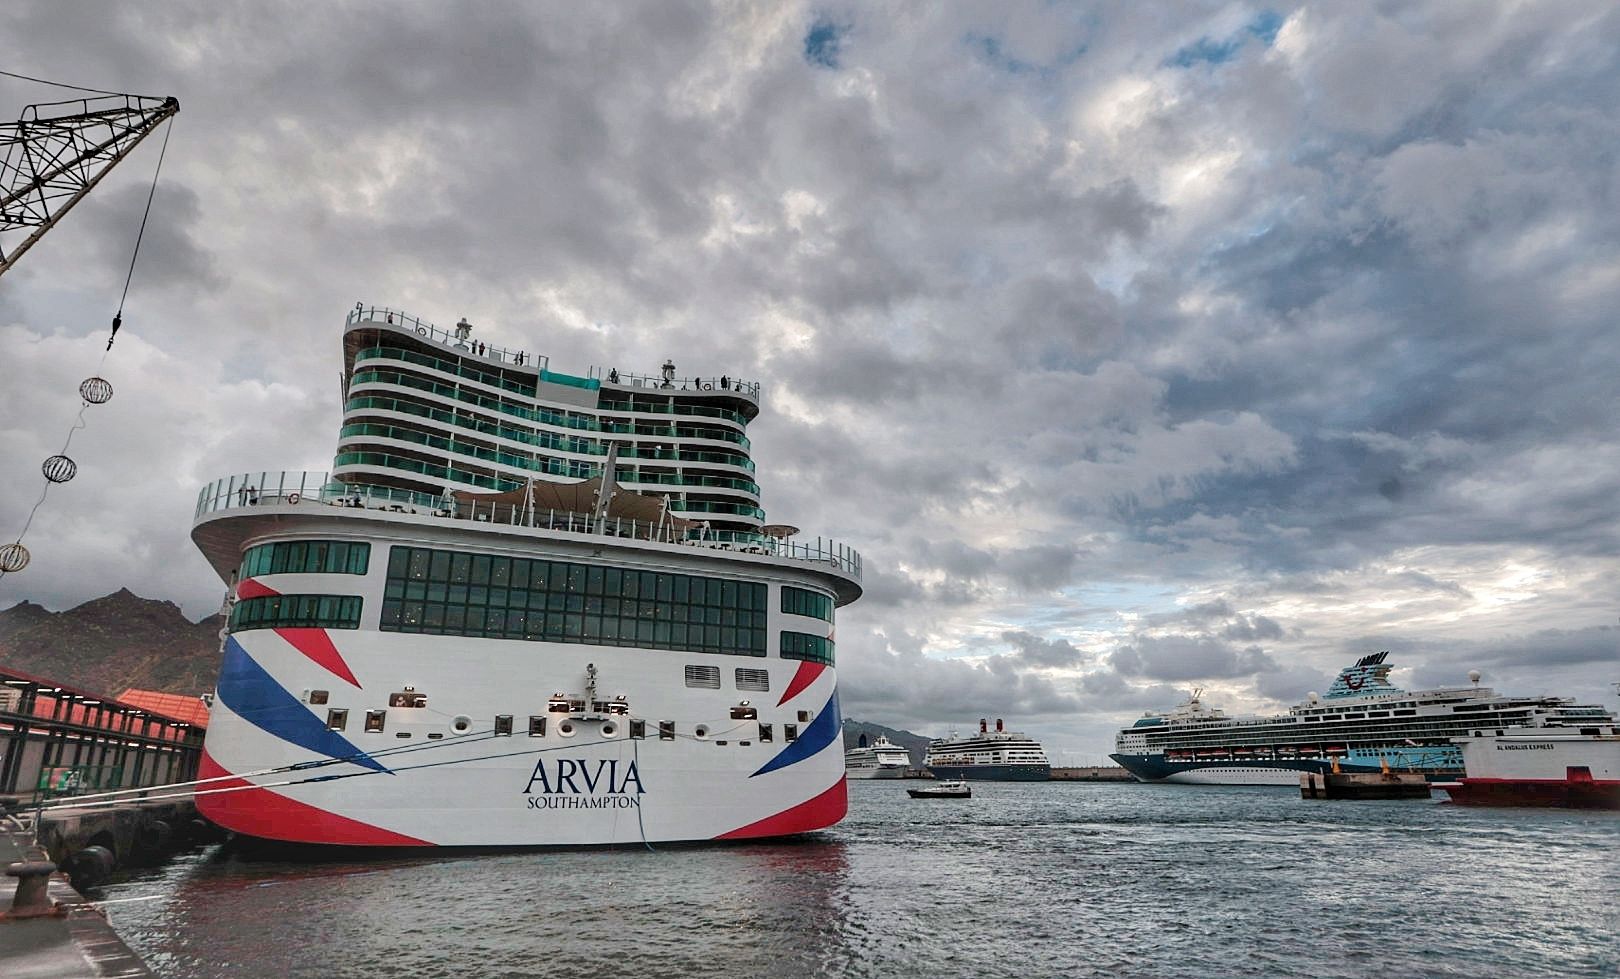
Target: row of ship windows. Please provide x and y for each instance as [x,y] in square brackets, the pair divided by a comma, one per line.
[523,385]
[535,461]
[374,376]
[459,578]
[539,437]
[376,722]
[306,557]
[433,618]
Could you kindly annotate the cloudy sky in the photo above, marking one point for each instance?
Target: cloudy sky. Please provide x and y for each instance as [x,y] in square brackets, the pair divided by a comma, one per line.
[1137,346]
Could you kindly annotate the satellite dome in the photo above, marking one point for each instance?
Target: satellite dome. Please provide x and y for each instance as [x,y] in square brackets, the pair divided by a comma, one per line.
[1473,676]
[1312,697]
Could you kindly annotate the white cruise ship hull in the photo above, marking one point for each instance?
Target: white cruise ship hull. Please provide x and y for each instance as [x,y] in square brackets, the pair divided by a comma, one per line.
[882,771]
[591,786]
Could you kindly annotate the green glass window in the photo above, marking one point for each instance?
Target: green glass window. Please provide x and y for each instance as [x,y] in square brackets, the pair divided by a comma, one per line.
[452,593]
[813,649]
[296,612]
[801,601]
[306,557]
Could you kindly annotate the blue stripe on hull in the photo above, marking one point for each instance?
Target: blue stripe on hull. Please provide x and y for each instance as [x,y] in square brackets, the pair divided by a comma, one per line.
[993,773]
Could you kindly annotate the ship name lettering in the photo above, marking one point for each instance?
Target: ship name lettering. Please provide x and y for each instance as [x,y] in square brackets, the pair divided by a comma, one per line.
[559,779]
[1524,747]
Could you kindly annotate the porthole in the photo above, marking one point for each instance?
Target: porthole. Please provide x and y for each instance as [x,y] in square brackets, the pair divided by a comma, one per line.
[461,725]
[701,732]
[566,729]
[609,729]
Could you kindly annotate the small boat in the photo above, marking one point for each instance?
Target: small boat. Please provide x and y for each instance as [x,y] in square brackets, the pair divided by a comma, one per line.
[952,789]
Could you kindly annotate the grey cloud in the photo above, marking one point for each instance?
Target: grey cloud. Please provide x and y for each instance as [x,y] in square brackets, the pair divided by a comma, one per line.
[1036,651]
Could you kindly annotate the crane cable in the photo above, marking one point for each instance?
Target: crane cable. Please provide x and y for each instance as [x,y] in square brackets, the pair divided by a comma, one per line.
[10,562]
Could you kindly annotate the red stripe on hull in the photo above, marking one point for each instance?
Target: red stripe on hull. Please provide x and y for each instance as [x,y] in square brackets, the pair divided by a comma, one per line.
[818,813]
[264,814]
[806,675]
[253,588]
[317,645]
[1577,794]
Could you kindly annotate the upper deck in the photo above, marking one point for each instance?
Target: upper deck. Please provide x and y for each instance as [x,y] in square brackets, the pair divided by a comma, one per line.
[234,509]
[611,382]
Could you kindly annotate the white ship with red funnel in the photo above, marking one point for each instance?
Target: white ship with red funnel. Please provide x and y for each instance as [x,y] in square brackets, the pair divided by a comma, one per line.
[1544,764]
[526,608]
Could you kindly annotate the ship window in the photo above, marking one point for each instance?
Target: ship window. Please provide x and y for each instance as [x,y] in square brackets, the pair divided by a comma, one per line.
[537,725]
[638,729]
[337,719]
[306,557]
[804,717]
[790,732]
[803,646]
[666,730]
[744,713]
[503,724]
[296,612]
[454,593]
[374,720]
[318,696]
[800,601]
[703,677]
[765,734]
[407,698]
[751,679]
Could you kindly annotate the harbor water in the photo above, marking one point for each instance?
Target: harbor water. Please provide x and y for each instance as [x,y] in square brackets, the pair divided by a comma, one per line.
[1024,879]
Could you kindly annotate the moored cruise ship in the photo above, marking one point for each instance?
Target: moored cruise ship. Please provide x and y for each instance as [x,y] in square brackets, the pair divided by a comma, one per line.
[992,756]
[525,608]
[1363,723]
[879,759]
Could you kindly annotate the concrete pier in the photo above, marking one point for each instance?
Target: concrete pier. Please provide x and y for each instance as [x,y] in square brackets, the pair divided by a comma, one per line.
[61,934]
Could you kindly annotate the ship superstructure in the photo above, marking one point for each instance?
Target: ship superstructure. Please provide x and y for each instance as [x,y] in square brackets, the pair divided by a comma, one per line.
[995,756]
[524,608]
[1363,723]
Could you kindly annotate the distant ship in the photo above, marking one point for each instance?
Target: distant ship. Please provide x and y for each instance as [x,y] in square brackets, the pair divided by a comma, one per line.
[880,759]
[989,756]
[1541,764]
[1362,723]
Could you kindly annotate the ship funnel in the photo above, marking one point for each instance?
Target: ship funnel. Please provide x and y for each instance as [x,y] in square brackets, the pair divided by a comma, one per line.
[983,726]
[998,725]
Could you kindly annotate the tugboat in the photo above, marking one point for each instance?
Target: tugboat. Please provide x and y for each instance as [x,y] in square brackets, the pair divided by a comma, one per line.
[953,789]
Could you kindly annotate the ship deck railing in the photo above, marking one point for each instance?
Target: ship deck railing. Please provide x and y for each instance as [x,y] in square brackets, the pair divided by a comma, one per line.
[666,383]
[246,491]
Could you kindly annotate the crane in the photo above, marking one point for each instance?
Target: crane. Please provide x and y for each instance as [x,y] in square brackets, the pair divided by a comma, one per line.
[57,151]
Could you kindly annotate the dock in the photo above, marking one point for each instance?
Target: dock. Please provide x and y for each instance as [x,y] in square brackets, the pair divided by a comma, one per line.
[1093,773]
[1363,785]
[82,793]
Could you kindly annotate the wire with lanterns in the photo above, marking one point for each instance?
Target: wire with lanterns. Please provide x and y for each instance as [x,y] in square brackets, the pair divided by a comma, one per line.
[94,390]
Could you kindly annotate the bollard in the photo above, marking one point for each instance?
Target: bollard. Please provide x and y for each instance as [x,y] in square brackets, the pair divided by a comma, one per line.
[32,900]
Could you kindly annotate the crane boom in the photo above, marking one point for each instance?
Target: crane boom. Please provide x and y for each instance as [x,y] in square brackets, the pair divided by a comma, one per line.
[57,151]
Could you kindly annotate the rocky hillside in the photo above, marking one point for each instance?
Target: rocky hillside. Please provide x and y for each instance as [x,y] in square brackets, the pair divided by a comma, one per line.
[110,644]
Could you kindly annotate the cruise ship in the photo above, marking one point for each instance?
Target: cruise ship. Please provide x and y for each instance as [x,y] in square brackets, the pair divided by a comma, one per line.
[991,756]
[525,608]
[879,759]
[1363,723]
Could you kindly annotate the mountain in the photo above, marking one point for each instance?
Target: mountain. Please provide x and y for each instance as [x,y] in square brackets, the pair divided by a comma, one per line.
[112,643]
[915,744]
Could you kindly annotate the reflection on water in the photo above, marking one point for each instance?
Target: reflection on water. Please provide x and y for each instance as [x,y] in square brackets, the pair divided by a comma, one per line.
[1022,880]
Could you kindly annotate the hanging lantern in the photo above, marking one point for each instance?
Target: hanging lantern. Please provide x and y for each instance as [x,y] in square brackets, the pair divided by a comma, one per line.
[59,469]
[96,391]
[13,557]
